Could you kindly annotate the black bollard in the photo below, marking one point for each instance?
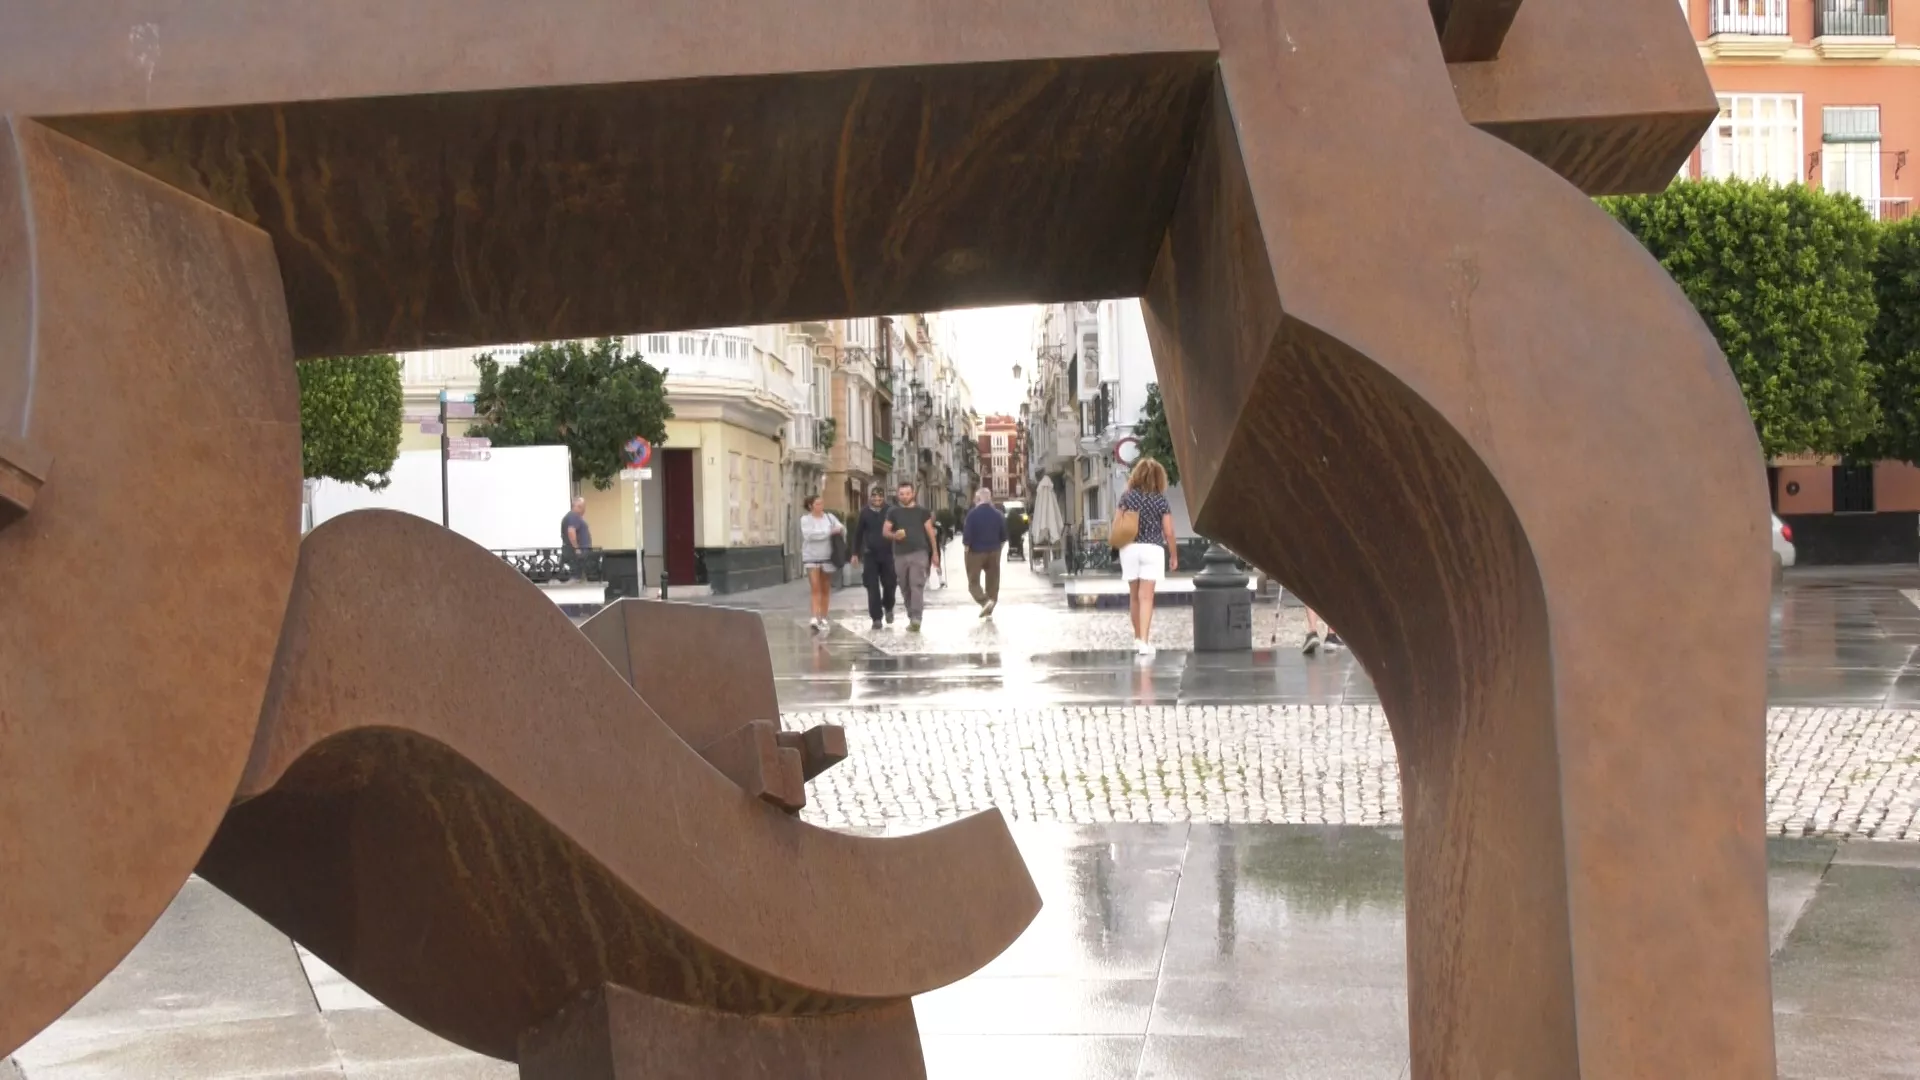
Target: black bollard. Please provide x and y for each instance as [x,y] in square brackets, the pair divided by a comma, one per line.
[1222,605]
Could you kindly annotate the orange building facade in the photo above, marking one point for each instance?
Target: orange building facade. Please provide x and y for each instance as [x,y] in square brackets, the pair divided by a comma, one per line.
[1826,93]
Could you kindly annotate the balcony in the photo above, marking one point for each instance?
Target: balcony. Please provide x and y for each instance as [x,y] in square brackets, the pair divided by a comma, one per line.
[882,454]
[1852,29]
[1752,28]
[1890,209]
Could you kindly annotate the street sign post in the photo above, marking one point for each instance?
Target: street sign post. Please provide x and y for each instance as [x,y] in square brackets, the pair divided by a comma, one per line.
[452,405]
[639,453]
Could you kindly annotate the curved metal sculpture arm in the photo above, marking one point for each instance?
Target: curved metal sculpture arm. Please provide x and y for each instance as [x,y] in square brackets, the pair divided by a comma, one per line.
[1479,429]
[457,801]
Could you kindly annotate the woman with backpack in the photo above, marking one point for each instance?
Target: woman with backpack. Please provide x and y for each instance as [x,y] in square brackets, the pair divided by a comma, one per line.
[1142,531]
[818,557]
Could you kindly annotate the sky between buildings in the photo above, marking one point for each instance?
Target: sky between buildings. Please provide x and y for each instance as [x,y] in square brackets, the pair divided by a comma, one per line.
[988,343]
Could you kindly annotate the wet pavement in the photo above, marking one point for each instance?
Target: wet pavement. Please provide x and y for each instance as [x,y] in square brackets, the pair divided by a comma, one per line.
[1213,835]
[1840,637]
[1173,952]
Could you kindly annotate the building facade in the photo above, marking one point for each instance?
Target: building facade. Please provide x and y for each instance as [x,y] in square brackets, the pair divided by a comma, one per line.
[1003,458]
[764,417]
[930,413]
[1826,93]
[854,349]
[1093,370]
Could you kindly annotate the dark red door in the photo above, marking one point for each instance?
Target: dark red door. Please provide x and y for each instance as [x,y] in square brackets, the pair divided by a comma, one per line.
[677,475]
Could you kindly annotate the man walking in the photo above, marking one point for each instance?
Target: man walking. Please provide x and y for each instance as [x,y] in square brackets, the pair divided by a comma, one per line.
[575,539]
[985,535]
[873,550]
[910,527]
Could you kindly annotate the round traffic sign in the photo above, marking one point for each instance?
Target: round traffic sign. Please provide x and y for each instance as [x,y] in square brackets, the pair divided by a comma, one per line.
[1127,451]
[639,452]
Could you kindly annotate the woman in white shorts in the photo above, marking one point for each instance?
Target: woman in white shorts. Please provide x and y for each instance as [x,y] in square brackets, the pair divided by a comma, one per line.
[1152,554]
[817,530]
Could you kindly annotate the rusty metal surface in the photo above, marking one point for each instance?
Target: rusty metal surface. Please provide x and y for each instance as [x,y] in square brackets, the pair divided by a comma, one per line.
[504,802]
[1611,96]
[1472,30]
[1427,458]
[703,670]
[422,202]
[615,1034]
[1393,357]
[141,599]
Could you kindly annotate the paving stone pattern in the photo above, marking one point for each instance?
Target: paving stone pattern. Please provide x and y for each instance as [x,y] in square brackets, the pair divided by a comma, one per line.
[1831,772]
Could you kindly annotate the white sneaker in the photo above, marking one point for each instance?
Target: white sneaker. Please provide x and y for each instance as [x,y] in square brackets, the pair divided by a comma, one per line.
[1144,648]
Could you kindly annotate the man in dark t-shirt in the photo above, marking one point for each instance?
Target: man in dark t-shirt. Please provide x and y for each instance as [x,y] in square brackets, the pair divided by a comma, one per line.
[873,549]
[575,538]
[910,527]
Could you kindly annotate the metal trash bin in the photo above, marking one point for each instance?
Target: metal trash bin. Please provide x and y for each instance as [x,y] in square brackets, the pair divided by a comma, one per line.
[621,571]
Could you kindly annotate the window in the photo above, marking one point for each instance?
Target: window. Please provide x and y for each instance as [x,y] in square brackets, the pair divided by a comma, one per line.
[1850,152]
[822,391]
[1756,138]
[659,344]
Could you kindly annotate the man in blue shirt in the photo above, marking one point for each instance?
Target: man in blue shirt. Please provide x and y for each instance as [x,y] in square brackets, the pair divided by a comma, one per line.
[985,534]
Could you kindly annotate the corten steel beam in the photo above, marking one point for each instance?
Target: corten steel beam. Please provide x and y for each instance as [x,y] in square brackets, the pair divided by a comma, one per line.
[1472,29]
[1393,354]
[438,184]
[1411,403]
[144,335]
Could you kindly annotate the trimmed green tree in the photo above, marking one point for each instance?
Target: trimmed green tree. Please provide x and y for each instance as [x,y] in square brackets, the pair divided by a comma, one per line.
[350,408]
[591,397]
[1156,441]
[1894,346]
[1783,278]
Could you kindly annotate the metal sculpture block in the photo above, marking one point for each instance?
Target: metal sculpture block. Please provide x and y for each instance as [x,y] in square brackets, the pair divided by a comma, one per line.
[1414,375]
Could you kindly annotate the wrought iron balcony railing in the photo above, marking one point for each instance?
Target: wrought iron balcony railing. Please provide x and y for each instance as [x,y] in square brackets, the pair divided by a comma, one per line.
[1761,18]
[1851,18]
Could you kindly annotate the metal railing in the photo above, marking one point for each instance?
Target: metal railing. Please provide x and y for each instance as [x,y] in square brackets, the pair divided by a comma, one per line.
[1851,18]
[543,565]
[882,452]
[1758,17]
[1891,209]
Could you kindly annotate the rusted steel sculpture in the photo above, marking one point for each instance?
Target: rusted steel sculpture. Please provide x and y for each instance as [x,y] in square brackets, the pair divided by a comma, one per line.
[1410,372]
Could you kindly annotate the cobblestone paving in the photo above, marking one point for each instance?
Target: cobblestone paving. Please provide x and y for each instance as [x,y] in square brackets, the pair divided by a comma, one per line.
[1835,772]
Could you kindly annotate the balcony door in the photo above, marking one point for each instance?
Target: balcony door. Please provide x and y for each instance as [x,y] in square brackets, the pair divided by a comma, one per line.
[1850,153]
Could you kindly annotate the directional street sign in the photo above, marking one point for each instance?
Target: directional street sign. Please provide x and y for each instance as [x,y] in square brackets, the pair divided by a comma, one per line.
[431,427]
[461,442]
[636,474]
[459,410]
[469,455]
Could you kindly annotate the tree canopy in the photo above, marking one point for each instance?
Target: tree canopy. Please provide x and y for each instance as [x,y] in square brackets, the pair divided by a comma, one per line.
[1783,277]
[1893,347]
[1156,441]
[591,397]
[350,408]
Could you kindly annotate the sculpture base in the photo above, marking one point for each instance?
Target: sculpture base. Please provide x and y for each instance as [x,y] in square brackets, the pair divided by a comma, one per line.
[618,1034]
